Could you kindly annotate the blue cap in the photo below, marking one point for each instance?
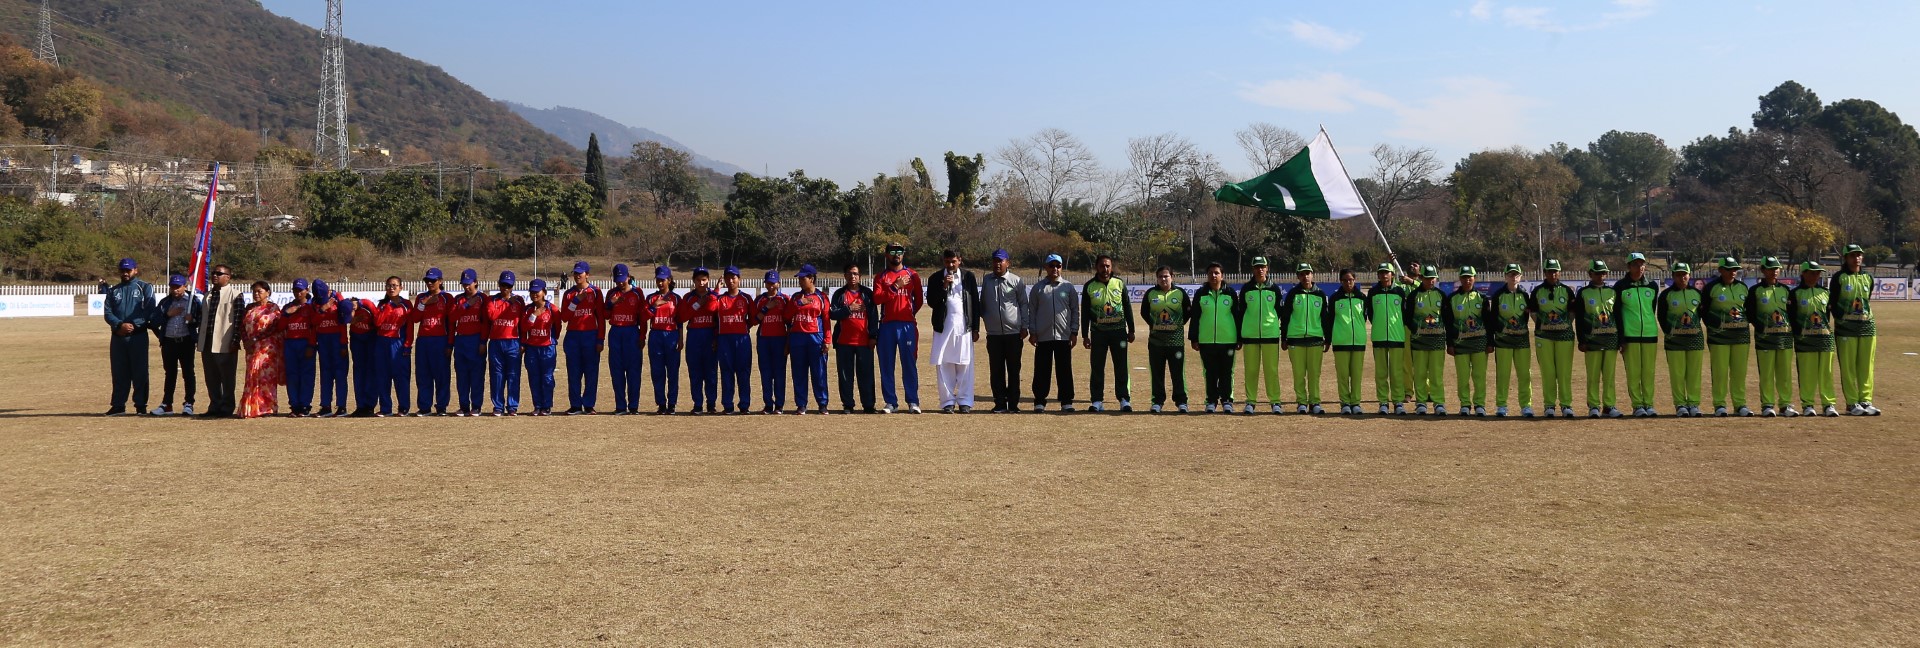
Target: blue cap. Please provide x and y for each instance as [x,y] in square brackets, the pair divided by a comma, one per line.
[320,290]
[662,272]
[506,277]
[733,271]
[620,272]
[1055,258]
[700,270]
[176,280]
[806,271]
[538,285]
[581,266]
[468,276]
[128,264]
[300,284]
[433,274]
[773,276]
[1001,254]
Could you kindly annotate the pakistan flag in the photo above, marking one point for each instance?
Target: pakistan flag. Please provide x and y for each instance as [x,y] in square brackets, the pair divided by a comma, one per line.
[1313,184]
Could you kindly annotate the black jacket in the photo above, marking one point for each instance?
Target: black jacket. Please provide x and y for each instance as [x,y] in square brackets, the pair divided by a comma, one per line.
[937,299]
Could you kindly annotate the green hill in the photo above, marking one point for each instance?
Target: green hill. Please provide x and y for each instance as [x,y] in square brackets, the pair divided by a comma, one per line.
[235,61]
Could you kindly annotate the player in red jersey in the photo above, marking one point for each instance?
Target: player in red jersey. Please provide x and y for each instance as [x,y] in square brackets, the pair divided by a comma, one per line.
[432,347]
[585,309]
[665,327]
[899,295]
[504,311]
[468,310]
[538,329]
[770,312]
[297,316]
[808,326]
[626,312]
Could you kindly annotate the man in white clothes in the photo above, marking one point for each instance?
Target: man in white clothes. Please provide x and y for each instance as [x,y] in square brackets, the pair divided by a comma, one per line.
[954,295]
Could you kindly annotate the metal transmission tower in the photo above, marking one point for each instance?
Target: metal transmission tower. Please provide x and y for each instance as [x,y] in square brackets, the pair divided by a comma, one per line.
[43,50]
[330,133]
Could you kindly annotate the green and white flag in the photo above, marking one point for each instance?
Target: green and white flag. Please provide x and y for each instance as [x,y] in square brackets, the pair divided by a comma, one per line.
[1312,184]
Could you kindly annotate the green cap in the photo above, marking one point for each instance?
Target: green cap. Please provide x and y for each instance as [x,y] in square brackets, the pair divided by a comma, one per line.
[1304,267]
[1682,268]
[1729,263]
[1513,268]
[1597,266]
[1384,267]
[1259,261]
[1428,271]
[1636,256]
[1855,248]
[1811,266]
[1553,264]
[1771,262]
[1467,271]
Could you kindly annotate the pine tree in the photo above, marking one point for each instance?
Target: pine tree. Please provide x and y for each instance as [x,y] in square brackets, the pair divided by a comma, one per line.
[596,170]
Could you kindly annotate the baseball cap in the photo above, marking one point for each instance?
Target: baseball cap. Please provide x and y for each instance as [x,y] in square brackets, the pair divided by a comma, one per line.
[128,264]
[1384,267]
[1428,271]
[433,274]
[1682,268]
[300,284]
[621,272]
[506,277]
[1854,248]
[1771,262]
[805,271]
[1468,271]
[733,271]
[581,266]
[1811,266]
[662,272]
[1055,258]
[1729,263]
[700,271]
[896,248]
[320,290]
[1001,255]
[1636,256]
[1513,268]
[1597,266]
[1303,267]
[176,280]
[1259,261]
[468,276]
[1552,264]
[538,285]
[773,277]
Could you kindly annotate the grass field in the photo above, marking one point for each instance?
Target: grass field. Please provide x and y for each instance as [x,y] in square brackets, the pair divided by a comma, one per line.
[940,530]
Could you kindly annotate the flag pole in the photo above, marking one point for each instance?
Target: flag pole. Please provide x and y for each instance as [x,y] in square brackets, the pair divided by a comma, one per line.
[1363,201]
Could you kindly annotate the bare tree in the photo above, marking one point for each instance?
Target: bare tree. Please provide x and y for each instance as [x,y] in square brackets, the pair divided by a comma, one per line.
[1156,163]
[1241,229]
[1046,168]
[1400,175]
[1267,145]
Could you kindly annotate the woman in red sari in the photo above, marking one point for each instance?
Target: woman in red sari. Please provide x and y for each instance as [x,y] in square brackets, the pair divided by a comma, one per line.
[263,337]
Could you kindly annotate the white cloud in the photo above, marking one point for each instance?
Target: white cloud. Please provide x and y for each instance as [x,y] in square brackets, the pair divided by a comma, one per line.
[1469,112]
[1322,36]
[1542,19]
[1481,10]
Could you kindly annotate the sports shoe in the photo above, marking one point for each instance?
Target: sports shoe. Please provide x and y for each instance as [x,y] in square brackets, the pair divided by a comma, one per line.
[964,409]
[1613,413]
[187,409]
[1439,409]
[1155,409]
[1788,411]
[1097,406]
[1319,410]
[1500,411]
[1066,408]
[1038,408]
[1720,410]
[571,411]
[117,411]
[1550,411]
[1479,410]
[1566,411]
[1767,412]
[913,409]
[1526,412]
[949,409]
[1593,412]
[1301,409]
[1809,411]
[1276,409]
[1743,411]
[1126,406]
[1211,408]
[1384,409]
[1183,408]
[998,409]
[159,410]
[1856,410]
[886,410]
[1871,410]
[1466,411]
[1829,411]
[1400,409]
[1420,408]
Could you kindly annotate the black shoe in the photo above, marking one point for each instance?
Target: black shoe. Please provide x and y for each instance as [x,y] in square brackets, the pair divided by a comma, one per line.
[587,411]
[573,411]
[117,411]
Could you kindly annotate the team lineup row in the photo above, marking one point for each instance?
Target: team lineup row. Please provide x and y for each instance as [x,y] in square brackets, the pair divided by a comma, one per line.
[453,348]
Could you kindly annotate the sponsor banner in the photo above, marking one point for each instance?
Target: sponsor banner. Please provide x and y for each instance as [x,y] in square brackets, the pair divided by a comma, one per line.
[42,306]
[97,305]
[1890,289]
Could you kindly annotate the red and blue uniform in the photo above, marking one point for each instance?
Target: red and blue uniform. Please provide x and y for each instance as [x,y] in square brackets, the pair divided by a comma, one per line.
[626,312]
[586,316]
[899,334]
[663,347]
[854,318]
[807,328]
[696,310]
[362,342]
[539,327]
[300,356]
[432,346]
[393,340]
[330,319]
[770,312]
[734,351]
[503,351]
[470,322]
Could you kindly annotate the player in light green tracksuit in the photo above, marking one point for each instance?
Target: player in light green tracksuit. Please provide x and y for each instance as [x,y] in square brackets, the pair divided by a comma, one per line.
[1811,312]
[1305,315]
[1853,333]
[1639,332]
[1347,336]
[1512,346]
[1465,318]
[1409,282]
[1424,310]
[1596,318]
[1386,315]
[1258,311]
[1729,338]
[1769,309]
[1553,326]
[1686,340]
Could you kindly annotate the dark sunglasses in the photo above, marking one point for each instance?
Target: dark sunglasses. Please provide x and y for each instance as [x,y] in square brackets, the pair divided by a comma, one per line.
[222,274]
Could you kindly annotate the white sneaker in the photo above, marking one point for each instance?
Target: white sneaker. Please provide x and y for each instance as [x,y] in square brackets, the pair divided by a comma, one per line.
[1097,406]
[1155,409]
[1479,410]
[1399,408]
[1066,408]
[1302,409]
[913,409]
[1211,408]
[1250,408]
[1183,408]
[1871,410]
[1126,406]
[1276,409]
[1420,408]
[187,409]
[1743,411]
[1856,410]
[1037,409]
[1566,411]
[1319,410]
[158,410]
[1829,411]
[1549,411]
[1613,413]
[1526,412]
[1809,411]
[1593,412]
[1502,411]
[1719,410]
[1384,409]
[1439,409]
[887,409]
[1788,411]
[1767,412]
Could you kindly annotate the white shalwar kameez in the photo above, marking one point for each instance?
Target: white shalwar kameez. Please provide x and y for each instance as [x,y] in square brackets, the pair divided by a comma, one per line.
[953,351]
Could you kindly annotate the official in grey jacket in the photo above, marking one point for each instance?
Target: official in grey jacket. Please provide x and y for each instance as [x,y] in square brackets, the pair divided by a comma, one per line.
[174,321]
[219,344]
[1053,327]
[129,305]
[1003,306]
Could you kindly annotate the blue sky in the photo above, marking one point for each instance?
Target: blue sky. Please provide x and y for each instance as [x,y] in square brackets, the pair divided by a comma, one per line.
[849,89]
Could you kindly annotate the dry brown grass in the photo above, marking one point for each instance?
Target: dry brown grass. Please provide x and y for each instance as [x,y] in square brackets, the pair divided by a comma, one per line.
[934,530]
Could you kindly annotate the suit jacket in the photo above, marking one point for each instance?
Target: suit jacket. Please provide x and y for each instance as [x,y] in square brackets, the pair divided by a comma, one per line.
[220,318]
[937,288]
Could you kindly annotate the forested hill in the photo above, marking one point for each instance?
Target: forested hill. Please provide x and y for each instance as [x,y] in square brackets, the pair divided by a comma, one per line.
[235,61]
[617,139]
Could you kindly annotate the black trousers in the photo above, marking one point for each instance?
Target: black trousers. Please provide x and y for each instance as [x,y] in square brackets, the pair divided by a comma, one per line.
[221,370]
[1216,366]
[851,363]
[1003,363]
[176,356]
[128,354]
[1055,358]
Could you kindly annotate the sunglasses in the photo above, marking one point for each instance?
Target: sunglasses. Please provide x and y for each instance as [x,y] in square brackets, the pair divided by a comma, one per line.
[222,274]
